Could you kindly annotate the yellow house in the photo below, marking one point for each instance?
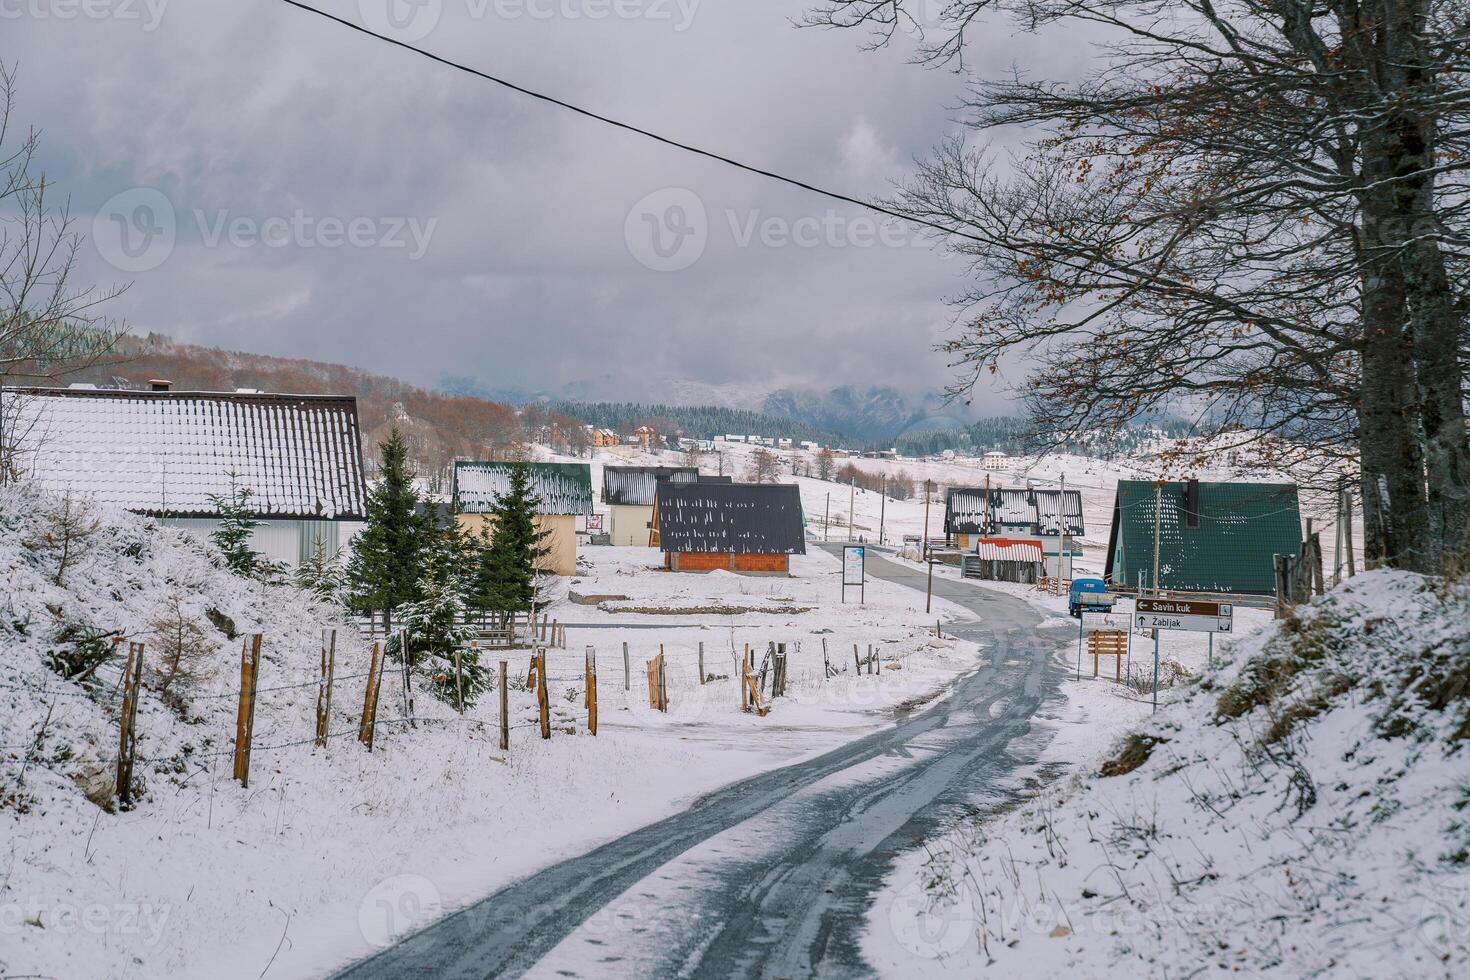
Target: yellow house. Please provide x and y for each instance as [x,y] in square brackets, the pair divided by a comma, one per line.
[564,491]
[630,492]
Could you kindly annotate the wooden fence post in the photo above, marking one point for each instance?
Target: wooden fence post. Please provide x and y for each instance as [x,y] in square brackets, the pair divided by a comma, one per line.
[543,699]
[826,664]
[459,679]
[627,673]
[504,708]
[701,663]
[591,667]
[245,718]
[128,722]
[857,665]
[324,689]
[745,679]
[369,722]
[658,698]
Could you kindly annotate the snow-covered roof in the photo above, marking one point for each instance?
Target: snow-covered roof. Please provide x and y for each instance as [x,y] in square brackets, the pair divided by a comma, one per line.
[638,485]
[1059,511]
[725,518]
[562,488]
[166,453]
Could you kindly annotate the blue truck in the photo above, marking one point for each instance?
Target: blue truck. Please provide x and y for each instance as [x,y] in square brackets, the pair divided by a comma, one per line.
[1089,593]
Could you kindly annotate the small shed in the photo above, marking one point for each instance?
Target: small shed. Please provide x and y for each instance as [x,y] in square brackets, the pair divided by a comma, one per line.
[564,492]
[629,493]
[1211,537]
[1004,560]
[738,527]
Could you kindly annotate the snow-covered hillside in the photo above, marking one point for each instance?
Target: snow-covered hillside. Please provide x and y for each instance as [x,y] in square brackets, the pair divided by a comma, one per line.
[333,852]
[1298,812]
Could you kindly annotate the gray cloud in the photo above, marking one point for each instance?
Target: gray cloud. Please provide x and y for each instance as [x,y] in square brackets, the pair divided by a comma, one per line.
[289,150]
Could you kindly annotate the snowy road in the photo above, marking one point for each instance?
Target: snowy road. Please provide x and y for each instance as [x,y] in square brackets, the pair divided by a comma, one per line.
[771,876]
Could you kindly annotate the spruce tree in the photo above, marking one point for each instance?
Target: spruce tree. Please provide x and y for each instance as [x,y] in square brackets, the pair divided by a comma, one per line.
[516,547]
[237,524]
[388,560]
[320,574]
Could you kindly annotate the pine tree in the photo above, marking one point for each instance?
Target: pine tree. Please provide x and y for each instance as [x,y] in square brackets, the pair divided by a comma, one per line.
[436,627]
[321,574]
[516,547]
[387,563]
[237,524]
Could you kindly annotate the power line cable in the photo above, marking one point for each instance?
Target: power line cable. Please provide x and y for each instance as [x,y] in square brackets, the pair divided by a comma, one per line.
[677,144]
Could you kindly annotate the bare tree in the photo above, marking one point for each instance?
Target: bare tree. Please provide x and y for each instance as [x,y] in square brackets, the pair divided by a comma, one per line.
[764,467]
[182,651]
[826,463]
[48,326]
[1251,213]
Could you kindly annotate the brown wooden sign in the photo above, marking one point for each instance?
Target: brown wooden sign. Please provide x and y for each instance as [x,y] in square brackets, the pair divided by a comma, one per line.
[1183,607]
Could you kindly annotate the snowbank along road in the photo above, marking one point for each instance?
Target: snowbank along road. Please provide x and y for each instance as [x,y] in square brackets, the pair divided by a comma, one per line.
[771,876]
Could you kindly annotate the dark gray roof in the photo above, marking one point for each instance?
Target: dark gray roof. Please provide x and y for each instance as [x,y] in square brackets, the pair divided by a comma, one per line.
[167,453]
[638,485]
[1043,511]
[725,518]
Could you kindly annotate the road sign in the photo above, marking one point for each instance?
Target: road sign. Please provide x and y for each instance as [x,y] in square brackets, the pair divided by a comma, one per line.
[854,557]
[1182,621]
[1184,607]
[1105,621]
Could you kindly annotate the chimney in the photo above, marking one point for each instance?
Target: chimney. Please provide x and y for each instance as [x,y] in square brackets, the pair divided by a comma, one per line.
[1191,504]
[159,384]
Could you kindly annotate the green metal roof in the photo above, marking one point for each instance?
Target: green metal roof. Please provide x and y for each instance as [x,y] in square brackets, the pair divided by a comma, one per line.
[564,488]
[1242,526]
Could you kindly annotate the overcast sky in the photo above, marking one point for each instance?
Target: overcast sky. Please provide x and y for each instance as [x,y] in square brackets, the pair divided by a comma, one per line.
[272,182]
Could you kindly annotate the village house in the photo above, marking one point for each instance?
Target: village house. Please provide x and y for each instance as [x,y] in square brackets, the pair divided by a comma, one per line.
[738,527]
[564,491]
[604,437]
[647,437]
[1050,518]
[1004,560]
[176,455]
[1210,537]
[995,460]
[629,492]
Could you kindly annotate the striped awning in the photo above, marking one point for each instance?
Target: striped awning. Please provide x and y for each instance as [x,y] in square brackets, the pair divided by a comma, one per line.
[1004,549]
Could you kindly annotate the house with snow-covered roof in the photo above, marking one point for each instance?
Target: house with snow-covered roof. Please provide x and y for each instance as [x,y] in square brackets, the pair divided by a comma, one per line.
[174,455]
[563,492]
[738,527]
[1050,518]
[629,493]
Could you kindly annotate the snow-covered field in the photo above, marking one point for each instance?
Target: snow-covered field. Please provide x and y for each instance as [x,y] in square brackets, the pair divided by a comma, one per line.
[332,852]
[1299,811]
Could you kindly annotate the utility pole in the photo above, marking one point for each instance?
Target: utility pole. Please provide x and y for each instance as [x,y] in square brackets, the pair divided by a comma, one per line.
[928,559]
[882,508]
[827,517]
[1064,547]
[851,503]
[1158,505]
[985,518]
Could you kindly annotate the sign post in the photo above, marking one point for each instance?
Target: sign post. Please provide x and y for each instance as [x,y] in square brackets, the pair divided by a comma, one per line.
[1182,614]
[854,571]
[1094,621]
